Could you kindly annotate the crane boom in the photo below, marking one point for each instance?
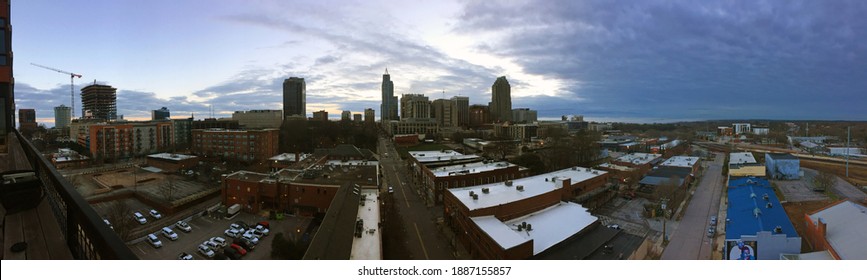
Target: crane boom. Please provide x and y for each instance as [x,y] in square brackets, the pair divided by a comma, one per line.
[72,77]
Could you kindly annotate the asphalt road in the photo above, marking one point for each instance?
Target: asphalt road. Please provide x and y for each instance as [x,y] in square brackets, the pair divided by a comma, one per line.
[423,239]
[690,241]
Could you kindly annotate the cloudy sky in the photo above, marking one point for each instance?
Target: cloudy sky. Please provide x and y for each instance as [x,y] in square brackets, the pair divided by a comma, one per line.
[646,61]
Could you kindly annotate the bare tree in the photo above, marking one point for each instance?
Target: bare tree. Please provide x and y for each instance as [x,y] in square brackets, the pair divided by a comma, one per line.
[824,181]
[120,216]
[167,190]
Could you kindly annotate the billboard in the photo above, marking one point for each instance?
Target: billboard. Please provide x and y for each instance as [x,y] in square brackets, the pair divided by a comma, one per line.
[741,250]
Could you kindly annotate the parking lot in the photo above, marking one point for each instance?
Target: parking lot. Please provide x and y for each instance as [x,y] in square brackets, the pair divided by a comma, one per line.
[203,228]
[799,190]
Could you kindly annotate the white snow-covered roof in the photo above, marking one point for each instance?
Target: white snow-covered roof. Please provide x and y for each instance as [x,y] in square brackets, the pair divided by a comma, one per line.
[289,157]
[847,229]
[368,246]
[680,161]
[469,168]
[638,158]
[170,156]
[742,158]
[424,157]
[615,167]
[500,193]
[549,226]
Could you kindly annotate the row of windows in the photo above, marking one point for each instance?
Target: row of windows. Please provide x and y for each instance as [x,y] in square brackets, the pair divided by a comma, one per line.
[224,136]
[477,181]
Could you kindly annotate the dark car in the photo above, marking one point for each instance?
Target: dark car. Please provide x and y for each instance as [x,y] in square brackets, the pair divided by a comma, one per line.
[243,225]
[231,253]
[244,243]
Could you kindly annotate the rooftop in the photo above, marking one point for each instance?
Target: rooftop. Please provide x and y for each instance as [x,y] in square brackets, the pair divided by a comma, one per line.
[469,168]
[170,156]
[741,158]
[638,158]
[549,226]
[334,239]
[369,245]
[352,162]
[777,156]
[680,161]
[615,167]
[290,157]
[846,232]
[501,193]
[426,157]
[748,212]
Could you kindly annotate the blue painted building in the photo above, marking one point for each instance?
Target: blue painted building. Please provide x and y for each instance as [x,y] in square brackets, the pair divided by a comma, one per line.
[783,166]
[756,225]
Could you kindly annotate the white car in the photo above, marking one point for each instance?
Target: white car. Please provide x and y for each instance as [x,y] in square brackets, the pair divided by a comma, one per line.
[219,241]
[233,233]
[211,244]
[262,229]
[140,218]
[252,238]
[170,234]
[185,256]
[108,223]
[154,241]
[184,226]
[156,214]
[254,232]
[207,252]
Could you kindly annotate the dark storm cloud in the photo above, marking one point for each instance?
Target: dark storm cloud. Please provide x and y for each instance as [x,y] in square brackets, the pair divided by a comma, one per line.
[691,58]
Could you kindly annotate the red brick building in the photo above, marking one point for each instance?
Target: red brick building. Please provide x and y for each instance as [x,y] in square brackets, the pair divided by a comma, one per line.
[242,145]
[301,192]
[838,229]
[491,220]
[437,179]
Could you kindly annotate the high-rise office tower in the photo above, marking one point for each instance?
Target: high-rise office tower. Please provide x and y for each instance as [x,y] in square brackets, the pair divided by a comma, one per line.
[294,97]
[388,109]
[62,116]
[320,115]
[445,112]
[99,102]
[501,101]
[414,106]
[346,116]
[462,106]
[369,115]
[160,114]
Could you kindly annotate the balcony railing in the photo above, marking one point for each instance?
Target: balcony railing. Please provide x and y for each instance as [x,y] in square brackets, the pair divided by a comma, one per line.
[86,234]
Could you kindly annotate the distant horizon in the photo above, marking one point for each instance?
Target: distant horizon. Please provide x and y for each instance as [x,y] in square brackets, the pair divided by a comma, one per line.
[636,61]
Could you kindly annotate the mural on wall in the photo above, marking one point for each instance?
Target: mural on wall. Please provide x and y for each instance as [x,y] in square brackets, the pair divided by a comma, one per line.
[742,250]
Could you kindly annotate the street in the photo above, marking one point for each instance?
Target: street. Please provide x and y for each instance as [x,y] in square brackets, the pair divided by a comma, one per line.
[690,241]
[422,237]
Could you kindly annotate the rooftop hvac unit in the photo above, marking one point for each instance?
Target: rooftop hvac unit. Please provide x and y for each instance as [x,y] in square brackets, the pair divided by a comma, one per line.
[508,183]
[574,168]
[752,195]
[520,188]
[778,229]
[587,169]
[765,196]
[475,197]
[769,205]
[486,190]
[520,227]
[595,172]
[529,227]
[546,179]
[472,193]
[757,212]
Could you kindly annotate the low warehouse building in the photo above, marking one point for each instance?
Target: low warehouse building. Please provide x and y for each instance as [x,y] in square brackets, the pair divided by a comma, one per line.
[757,227]
[783,166]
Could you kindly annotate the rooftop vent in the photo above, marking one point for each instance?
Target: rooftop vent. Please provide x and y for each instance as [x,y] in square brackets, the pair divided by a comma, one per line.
[520,188]
[752,195]
[778,229]
[765,197]
[529,227]
[546,179]
[475,197]
[472,193]
[587,169]
[595,172]
[769,205]
[486,190]
[757,212]
[508,183]
[574,168]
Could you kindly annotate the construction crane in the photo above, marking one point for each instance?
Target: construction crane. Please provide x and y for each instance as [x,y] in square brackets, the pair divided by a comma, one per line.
[72,77]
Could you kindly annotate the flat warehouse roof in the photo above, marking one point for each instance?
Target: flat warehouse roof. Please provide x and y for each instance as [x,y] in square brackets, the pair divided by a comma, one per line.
[548,227]
[748,212]
[741,158]
[168,156]
[469,168]
[500,193]
[638,158]
[681,161]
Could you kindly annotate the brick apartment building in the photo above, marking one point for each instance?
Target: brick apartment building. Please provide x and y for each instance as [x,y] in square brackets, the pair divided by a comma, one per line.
[437,179]
[520,218]
[242,145]
[125,139]
[839,230]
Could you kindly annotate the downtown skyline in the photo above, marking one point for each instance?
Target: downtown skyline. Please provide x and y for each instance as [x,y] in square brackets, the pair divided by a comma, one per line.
[645,61]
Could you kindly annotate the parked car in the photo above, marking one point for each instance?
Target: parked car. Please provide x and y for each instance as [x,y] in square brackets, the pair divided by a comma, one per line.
[231,253]
[254,232]
[390,189]
[233,233]
[710,231]
[713,220]
[239,249]
[211,244]
[250,237]
[242,225]
[183,226]
[207,252]
[219,240]
[156,214]
[185,256]
[614,226]
[262,229]
[107,223]
[140,218]
[154,241]
[236,226]
[170,234]
[244,243]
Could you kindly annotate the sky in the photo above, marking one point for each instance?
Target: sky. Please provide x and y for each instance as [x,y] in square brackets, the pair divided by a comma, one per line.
[634,61]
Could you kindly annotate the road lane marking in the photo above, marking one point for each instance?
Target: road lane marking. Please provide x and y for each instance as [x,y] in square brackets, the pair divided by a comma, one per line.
[418,233]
